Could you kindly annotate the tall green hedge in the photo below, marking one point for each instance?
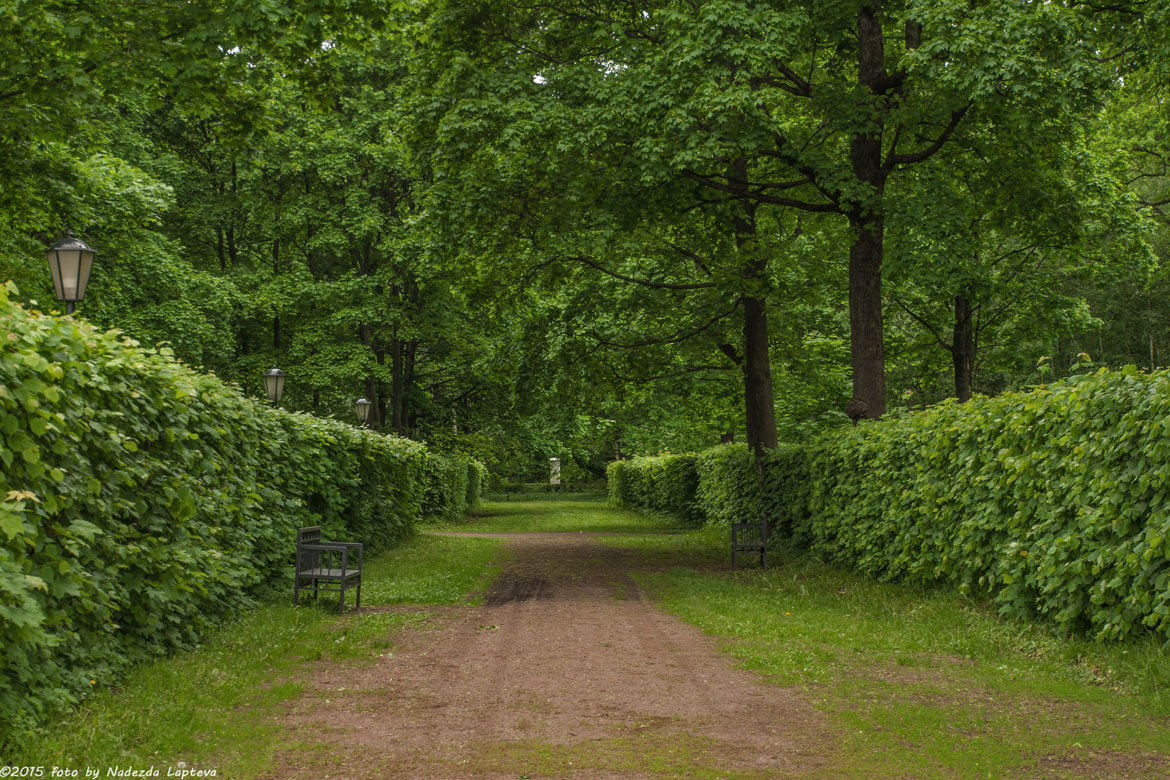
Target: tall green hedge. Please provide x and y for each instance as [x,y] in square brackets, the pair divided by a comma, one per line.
[454,485]
[1054,502]
[141,502]
[664,484]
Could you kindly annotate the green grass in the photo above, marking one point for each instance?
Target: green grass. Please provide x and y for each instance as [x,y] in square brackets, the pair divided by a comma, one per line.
[923,677]
[555,514]
[216,706]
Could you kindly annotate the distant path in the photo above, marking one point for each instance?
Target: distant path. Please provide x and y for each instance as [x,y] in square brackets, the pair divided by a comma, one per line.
[567,670]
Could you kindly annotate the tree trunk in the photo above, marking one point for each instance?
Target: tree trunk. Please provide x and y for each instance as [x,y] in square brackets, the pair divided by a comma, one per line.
[759,402]
[865,320]
[374,420]
[865,256]
[963,348]
[396,420]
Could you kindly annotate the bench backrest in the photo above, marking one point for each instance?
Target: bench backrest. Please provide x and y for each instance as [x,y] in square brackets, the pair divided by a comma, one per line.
[749,533]
[308,559]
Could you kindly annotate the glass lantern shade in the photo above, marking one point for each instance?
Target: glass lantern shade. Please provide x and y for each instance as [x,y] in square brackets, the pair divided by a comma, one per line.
[362,406]
[274,384]
[70,262]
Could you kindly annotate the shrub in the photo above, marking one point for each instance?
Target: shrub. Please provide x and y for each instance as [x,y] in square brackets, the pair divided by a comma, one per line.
[664,484]
[1054,502]
[453,486]
[141,502]
[477,479]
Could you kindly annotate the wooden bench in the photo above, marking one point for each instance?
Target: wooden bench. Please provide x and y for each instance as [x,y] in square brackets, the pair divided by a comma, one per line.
[749,539]
[321,565]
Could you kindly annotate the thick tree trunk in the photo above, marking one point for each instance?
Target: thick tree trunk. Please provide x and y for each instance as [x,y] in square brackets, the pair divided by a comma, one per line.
[963,348]
[865,256]
[759,402]
[865,320]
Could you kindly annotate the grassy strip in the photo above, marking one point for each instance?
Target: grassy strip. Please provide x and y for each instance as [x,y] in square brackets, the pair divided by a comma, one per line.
[216,706]
[553,514]
[924,678]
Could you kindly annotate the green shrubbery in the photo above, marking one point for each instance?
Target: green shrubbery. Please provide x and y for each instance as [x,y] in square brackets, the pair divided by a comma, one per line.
[140,502]
[1055,502]
[454,485]
[664,484]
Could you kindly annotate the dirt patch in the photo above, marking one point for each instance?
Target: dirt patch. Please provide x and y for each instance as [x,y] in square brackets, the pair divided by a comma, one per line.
[568,669]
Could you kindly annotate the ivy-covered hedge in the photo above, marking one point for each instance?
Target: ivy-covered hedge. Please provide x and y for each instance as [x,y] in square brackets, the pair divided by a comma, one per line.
[141,502]
[1054,502]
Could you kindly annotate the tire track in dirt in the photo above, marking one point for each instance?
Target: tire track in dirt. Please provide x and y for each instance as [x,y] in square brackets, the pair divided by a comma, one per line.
[568,669]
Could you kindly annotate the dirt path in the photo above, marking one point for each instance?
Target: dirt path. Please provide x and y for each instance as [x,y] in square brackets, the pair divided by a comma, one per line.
[567,670]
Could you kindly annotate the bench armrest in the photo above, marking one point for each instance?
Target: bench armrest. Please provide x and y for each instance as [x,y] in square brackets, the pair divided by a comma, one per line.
[342,547]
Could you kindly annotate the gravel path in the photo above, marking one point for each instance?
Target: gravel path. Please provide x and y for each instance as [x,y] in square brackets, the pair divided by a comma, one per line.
[568,669]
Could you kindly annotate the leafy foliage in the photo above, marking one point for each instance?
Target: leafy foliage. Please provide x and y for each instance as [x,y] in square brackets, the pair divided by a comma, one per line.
[141,502]
[1053,502]
[663,483]
[454,484]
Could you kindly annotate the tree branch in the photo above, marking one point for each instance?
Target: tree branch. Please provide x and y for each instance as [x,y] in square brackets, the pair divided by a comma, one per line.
[760,197]
[924,154]
[930,328]
[633,280]
[676,338]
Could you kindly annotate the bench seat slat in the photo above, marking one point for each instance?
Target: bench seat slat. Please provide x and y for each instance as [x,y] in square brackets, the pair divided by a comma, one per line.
[331,573]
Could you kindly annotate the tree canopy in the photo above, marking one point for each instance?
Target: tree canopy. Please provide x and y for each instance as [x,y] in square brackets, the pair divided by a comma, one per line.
[586,230]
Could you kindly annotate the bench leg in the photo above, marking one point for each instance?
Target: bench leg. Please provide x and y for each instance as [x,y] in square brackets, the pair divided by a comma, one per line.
[358,605]
[296,590]
[341,598]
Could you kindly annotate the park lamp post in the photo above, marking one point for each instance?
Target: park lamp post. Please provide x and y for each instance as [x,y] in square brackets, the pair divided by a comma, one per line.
[70,262]
[274,384]
[362,407]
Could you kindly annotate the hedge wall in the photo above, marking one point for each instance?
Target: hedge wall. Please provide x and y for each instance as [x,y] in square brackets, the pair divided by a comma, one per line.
[664,484]
[454,485]
[141,502]
[1054,502]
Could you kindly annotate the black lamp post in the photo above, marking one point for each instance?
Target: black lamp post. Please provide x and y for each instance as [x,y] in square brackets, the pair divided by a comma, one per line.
[274,384]
[362,407]
[70,262]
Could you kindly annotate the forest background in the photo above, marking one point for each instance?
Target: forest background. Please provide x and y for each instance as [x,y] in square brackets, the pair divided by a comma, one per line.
[591,230]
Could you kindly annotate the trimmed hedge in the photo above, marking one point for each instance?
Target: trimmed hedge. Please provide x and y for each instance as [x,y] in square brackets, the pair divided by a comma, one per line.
[1054,502]
[454,485]
[664,484]
[142,502]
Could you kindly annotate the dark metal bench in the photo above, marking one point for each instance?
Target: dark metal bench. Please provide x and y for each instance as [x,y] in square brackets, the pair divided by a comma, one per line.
[749,539]
[322,564]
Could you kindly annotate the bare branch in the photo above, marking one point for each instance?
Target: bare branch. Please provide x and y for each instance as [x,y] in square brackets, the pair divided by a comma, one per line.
[677,337]
[924,154]
[930,328]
